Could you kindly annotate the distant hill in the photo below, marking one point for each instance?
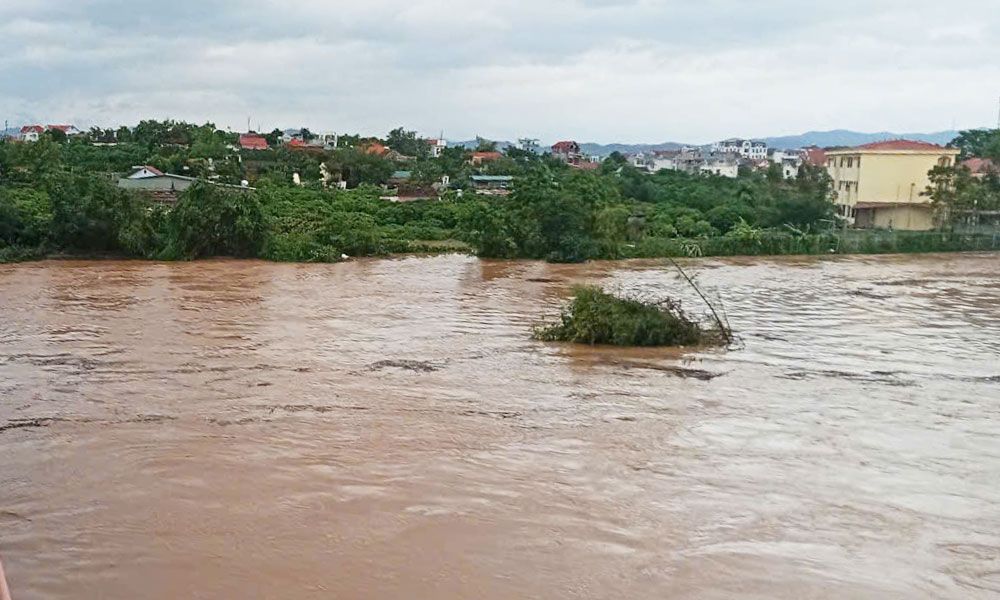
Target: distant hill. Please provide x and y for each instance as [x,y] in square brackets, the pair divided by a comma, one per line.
[823,139]
[606,149]
[843,137]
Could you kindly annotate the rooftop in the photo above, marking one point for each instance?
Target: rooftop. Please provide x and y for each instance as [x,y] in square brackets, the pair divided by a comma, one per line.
[896,146]
[252,141]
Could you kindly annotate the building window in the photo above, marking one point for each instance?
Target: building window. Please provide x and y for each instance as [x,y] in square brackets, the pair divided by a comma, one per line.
[858,159]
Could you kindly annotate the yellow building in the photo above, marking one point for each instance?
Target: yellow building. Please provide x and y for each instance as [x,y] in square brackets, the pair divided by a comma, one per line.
[882,185]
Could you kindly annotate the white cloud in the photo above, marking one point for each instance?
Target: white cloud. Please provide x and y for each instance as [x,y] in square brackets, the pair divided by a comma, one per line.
[604,70]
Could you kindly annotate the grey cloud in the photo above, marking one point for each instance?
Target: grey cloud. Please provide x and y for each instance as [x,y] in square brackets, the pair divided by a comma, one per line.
[597,69]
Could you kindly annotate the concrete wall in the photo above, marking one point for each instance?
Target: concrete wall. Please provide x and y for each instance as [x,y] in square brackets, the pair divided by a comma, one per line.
[904,218]
[895,177]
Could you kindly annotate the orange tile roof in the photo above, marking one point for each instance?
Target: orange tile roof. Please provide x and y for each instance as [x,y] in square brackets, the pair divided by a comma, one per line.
[899,145]
[250,141]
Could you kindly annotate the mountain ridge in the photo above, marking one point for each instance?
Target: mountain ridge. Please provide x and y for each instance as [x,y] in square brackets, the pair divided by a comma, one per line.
[823,139]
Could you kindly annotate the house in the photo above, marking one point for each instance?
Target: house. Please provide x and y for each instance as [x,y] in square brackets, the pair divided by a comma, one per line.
[882,185]
[663,160]
[814,156]
[145,172]
[163,188]
[656,161]
[252,141]
[981,167]
[69,130]
[437,147]
[704,162]
[492,185]
[750,149]
[31,133]
[289,135]
[788,161]
[298,145]
[720,166]
[159,186]
[567,151]
[479,158]
[326,139]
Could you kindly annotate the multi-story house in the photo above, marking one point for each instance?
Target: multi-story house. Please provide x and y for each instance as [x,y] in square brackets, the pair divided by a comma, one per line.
[790,162]
[883,185]
[437,147]
[750,149]
[568,152]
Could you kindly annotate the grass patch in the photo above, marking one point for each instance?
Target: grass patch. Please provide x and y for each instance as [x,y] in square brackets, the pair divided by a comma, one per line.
[597,317]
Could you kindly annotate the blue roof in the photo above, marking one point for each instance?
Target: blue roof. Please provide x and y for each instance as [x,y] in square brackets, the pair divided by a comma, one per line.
[401,175]
[488,178]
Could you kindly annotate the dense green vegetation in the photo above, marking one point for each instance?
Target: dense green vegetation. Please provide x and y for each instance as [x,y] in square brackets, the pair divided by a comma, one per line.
[59,196]
[597,317]
[966,200]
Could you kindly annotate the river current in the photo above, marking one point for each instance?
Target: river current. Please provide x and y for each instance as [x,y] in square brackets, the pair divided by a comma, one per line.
[389,429]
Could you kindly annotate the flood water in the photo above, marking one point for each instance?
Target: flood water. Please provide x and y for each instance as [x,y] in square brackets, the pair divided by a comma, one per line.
[388,429]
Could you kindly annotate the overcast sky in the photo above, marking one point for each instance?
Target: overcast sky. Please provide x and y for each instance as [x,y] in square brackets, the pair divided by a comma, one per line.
[594,70]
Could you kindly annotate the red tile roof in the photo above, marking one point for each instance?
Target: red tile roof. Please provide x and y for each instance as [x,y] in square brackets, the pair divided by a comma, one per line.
[899,145]
[375,148]
[153,170]
[486,156]
[815,156]
[250,141]
[566,146]
[62,128]
[980,166]
[297,143]
[32,129]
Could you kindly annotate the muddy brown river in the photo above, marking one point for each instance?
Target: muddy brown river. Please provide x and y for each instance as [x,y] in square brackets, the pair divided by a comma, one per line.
[388,429]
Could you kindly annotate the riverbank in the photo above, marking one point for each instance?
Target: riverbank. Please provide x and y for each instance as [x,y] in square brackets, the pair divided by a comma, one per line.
[760,244]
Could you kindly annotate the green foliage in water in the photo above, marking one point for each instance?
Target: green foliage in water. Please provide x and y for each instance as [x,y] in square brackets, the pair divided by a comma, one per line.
[597,317]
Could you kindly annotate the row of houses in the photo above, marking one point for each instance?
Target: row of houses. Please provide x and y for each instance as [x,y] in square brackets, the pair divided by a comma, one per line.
[32,133]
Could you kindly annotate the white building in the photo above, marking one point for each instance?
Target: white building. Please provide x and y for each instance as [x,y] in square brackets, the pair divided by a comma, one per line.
[721,166]
[437,147]
[790,162]
[751,149]
[327,139]
[656,161]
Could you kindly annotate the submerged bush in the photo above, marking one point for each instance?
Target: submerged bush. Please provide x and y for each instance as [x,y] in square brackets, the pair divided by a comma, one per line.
[597,317]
